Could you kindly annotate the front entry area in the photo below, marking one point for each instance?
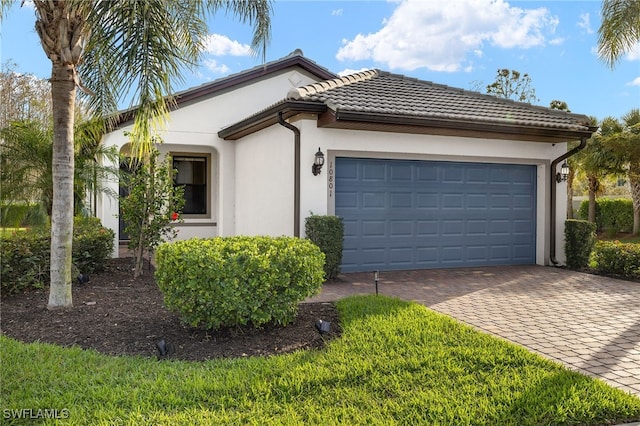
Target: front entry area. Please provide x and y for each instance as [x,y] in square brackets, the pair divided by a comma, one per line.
[406,214]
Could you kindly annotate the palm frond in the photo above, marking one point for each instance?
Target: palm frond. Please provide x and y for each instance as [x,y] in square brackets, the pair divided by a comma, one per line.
[619,30]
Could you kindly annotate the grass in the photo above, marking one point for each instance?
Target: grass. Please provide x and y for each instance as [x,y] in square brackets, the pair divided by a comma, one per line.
[396,363]
[5,232]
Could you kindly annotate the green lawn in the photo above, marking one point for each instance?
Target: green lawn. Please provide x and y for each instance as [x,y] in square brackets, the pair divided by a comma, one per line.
[396,363]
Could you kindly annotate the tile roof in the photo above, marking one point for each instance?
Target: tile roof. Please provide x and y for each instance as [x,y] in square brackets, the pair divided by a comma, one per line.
[382,93]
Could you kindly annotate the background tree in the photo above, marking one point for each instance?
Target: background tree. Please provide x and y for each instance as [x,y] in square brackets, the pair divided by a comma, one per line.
[23,97]
[511,84]
[624,141]
[599,159]
[619,30]
[125,47]
[26,172]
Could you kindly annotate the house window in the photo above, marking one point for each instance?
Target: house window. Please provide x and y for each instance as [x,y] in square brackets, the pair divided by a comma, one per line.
[192,175]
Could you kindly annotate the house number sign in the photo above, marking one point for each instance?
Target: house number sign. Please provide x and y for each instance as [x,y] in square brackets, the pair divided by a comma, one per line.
[331,182]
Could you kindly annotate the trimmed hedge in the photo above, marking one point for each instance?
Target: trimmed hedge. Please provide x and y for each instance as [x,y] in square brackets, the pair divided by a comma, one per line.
[233,281]
[612,215]
[327,232]
[616,258]
[25,254]
[579,238]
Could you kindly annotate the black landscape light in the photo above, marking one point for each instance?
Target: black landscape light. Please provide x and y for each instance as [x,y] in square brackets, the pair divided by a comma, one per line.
[323,327]
[83,279]
[164,349]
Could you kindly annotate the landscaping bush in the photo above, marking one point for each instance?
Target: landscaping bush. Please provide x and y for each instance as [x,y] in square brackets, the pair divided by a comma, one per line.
[92,244]
[612,215]
[22,215]
[579,238]
[25,259]
[616,258]
[327,232]
[232,281]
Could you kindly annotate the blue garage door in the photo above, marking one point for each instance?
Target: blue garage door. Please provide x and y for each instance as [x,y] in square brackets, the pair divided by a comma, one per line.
[401,214]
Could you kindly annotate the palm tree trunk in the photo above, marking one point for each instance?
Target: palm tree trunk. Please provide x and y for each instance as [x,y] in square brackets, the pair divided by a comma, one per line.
[593,189]
[634,182]
[63,95]
[570,178]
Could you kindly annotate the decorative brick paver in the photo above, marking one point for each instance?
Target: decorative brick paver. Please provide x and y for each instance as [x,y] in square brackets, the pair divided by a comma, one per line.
[589,323]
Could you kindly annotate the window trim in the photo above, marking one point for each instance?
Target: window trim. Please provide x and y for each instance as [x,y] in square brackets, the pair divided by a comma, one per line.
[208,181]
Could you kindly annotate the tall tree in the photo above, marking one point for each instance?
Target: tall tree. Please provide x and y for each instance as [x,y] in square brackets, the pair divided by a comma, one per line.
[511,84]
[619,30]
[112,49]
[625,143]
[600,159]
[23,97]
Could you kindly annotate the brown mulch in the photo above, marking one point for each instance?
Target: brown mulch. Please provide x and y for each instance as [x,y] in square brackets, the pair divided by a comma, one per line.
[118,315]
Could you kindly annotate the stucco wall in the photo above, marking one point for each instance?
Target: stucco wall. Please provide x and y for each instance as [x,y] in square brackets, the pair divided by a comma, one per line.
[193,128]
[268,192]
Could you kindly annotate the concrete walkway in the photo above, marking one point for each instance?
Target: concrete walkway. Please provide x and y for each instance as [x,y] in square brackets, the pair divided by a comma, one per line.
[588,323]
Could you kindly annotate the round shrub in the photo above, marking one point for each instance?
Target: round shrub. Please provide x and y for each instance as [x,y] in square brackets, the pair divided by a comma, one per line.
[232,281]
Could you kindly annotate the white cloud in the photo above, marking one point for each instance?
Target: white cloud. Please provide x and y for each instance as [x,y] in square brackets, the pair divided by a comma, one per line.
[221,45]
[213,65]
[634,54]
[350,71]
[337,12]
[439,35]
[584,22]
[634,82]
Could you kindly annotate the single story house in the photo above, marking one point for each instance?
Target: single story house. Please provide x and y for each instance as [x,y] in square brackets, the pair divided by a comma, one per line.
[423,175]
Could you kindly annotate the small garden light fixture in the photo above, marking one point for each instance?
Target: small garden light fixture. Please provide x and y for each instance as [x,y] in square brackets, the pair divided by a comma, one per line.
[563,174]
[318,162]
[323,327]
[164,349]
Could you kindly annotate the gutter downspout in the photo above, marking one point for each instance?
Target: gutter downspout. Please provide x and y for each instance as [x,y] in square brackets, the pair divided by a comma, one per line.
[296,174]
[552,231]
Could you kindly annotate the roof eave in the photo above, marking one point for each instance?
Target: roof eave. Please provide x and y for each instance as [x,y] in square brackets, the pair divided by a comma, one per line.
[469,128]
[269,117]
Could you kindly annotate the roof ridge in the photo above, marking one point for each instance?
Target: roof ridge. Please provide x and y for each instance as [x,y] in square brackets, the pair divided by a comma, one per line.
[476,93]
[298,93]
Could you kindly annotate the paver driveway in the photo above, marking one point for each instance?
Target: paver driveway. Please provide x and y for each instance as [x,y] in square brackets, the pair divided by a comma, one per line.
[587,322]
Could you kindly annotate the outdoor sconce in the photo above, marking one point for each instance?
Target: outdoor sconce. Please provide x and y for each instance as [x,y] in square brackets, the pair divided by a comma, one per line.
[318,162]
[564,172]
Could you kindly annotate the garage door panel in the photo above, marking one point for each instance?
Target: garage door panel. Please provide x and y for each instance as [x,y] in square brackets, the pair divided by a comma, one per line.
[402,214]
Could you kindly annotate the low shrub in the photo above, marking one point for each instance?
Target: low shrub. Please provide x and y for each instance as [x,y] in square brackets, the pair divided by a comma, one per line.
[25,255]
[327,232]
[232,281]
[612,215]
[579,238]
[614,257]
[92,244]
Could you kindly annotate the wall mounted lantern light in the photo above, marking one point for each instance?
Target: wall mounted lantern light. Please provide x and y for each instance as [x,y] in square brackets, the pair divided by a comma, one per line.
[318,162]
[563,174]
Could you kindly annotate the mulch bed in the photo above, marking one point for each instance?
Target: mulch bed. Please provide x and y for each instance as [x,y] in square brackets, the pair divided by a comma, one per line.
[118,315]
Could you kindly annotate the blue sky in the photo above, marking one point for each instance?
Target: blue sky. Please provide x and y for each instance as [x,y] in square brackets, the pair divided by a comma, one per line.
[460,43]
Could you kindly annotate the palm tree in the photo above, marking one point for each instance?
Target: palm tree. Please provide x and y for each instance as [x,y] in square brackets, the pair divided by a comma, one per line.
[619,30]
[26,154]
[625,141]
[599,159]
[25,160]
[111,49]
